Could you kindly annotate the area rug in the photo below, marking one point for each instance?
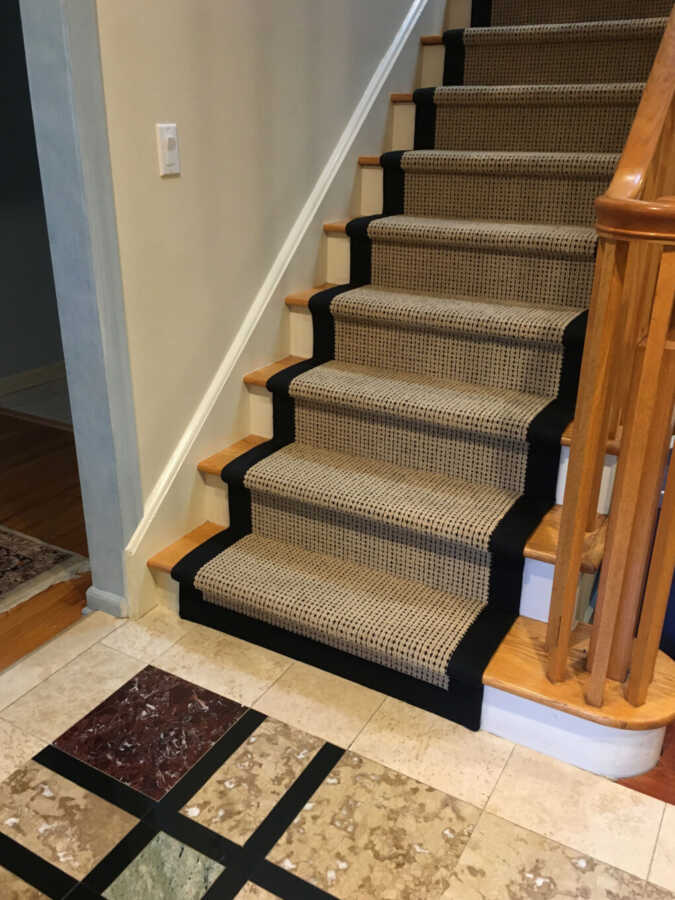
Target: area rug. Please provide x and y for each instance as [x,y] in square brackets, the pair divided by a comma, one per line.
[28,566]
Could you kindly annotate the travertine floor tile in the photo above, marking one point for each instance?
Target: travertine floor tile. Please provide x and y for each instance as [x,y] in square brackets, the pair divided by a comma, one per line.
[60,701]
[435,751]
[165,868]
[13,888]
[148,636]
[369,832]
[251,891]
[43,662]
[151,731]
[591,814]
[321,703]
[663,865]
[505,862]
[59,820]
[223,664]
[16,748]
[245,789]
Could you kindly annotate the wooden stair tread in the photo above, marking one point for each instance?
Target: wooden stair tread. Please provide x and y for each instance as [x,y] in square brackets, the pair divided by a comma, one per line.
[213,465]
[519,667]
[401,98]
[430,40]
[613,444]
[337,227]
[260,376]
[301,298]
[166,559]
[373,161]
[542,544]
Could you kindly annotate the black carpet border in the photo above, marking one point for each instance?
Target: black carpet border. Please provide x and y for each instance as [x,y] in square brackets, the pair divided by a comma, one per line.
[425,118]
[453,60]
[481,13]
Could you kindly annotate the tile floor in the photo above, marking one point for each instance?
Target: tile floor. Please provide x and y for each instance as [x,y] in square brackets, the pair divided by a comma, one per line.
[158,759]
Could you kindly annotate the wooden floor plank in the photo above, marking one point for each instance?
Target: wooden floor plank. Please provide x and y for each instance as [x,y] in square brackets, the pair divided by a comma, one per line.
[36,621]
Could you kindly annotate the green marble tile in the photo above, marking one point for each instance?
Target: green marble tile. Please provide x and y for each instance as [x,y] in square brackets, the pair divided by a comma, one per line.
[165,868]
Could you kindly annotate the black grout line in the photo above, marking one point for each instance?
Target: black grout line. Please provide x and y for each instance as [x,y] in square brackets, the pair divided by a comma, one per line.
[34,870]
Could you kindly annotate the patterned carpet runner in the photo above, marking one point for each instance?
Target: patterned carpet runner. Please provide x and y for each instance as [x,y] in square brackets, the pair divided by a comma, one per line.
[380,533]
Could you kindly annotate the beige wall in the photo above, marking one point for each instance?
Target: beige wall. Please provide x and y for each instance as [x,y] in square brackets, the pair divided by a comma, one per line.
[261,91]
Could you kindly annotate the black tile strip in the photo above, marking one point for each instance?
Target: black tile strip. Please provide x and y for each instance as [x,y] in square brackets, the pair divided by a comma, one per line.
[112,865]
[197,836]
[34,870]
[270,830]
[286,885]
[82,892]
[212,760]
[94,781]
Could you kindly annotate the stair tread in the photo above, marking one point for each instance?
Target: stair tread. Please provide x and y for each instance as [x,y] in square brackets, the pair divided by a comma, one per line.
[260,377]
[507,162]
[614,29]
[398,497]
[576,241]
[341,604]
[166,559]
[499,412]
[213,465]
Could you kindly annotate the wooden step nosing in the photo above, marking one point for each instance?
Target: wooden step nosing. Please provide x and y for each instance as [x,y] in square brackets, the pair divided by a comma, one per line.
[431,40]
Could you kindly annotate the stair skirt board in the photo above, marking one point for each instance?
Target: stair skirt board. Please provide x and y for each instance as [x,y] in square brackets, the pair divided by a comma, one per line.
[461,701]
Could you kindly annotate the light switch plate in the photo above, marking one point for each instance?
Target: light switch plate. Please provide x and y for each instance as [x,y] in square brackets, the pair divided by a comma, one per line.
[167,149]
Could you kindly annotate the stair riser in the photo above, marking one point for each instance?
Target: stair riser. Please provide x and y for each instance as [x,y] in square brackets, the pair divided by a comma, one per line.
[446,565]
[451,452]
[604,128]
[543,12]
[444,271]
[514,198]
[402,136]
[528,367]
[609,60]
[432,60]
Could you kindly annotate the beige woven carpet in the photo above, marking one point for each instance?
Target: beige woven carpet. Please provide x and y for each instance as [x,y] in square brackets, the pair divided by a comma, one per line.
[384,524]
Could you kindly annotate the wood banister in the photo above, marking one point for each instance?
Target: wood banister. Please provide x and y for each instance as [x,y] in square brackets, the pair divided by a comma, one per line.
[626,393]
[649,124]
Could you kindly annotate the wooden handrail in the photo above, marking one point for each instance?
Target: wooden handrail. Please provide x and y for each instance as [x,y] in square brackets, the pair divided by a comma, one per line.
[649,124]
[627,388]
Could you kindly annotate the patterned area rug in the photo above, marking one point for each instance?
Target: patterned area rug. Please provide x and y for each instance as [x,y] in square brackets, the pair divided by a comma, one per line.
[28,566]
[380,533]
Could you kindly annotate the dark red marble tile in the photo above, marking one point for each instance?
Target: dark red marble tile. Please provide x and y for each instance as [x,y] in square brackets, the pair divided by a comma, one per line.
[151,731]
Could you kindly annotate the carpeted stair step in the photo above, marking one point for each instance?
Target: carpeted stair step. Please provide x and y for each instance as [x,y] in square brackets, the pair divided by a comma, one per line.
[557,188]
[511,261]
[463,431]
[412,524]
[499,344]
[580,53]
[568,118]
[406,626]
[527,12]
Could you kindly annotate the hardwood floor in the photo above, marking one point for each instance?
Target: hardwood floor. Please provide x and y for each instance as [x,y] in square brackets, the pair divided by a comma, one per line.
[40,496]
[659,782]
[39,484]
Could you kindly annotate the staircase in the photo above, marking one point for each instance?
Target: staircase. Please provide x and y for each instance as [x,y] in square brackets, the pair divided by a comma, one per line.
[413,465]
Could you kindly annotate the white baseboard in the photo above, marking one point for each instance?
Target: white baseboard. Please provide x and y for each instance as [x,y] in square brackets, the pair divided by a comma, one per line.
[613,752]
[9,384]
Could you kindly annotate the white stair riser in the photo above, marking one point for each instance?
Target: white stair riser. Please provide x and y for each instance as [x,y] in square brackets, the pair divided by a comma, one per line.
[370,190]
[402,126]
[432,59]
[606,485]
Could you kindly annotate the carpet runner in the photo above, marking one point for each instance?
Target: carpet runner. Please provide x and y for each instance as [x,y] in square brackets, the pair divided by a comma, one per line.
[380,532]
